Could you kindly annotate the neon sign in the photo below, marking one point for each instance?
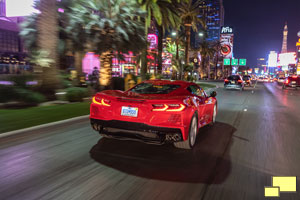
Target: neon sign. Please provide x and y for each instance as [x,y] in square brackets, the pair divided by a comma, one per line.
[153,40]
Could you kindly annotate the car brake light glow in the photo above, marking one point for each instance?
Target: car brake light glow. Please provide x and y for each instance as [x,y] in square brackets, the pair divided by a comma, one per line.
[169,107]
[226,80]
[240,81]
[102,102]
[287,81]
[181,107]
[160,107]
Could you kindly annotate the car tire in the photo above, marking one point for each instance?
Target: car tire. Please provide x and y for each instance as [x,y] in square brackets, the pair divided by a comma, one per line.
[283,87]
[191,140]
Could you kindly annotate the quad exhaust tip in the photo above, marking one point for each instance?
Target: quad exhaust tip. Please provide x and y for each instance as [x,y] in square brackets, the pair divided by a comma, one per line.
[173,137]
[97,127]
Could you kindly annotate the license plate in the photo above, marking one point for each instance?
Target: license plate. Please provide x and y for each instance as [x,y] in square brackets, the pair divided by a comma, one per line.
[293,85]
[232,82]
[129,111]
[293,82]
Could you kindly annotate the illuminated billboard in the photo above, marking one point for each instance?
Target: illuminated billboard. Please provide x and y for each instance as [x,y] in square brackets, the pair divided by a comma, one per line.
[272,61]
[286,59]
[226,30]
[226,40]
[153,41]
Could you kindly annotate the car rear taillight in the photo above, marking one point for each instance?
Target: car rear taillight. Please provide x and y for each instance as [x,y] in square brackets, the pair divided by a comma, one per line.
[101,101]
[159,107]
[168,107]
[176,107]
[240,81]
[226,80]
[287,81]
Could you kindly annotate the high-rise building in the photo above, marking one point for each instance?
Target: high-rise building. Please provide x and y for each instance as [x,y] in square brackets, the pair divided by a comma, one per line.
[12,51]
[284,42]
[2,8]
[213,13]
[261,65]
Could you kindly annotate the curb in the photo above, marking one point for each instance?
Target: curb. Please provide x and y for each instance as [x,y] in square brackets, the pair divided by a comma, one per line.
[10,133]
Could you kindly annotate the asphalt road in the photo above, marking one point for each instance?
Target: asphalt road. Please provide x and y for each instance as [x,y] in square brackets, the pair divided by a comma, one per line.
[257,135]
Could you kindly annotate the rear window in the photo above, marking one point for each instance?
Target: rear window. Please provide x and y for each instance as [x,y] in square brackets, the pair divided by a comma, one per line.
[233,78]
[150,88]
[246,77]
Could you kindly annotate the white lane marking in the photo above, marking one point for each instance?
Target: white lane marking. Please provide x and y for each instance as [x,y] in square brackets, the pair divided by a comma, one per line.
[252,92]
[60,93]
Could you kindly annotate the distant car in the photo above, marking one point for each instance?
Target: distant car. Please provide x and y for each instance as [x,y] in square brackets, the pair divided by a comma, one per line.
[247,80]
[280,80]
[261,79]
[155,112]
[266,79]
[292,82]
[234,82]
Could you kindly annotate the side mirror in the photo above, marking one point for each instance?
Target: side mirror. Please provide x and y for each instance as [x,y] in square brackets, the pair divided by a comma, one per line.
[213,94]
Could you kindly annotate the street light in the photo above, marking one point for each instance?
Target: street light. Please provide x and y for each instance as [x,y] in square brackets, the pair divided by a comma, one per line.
[174,33]
[201,34]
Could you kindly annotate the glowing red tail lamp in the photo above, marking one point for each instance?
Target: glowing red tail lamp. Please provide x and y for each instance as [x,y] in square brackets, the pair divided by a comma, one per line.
[101,101]
[168,107]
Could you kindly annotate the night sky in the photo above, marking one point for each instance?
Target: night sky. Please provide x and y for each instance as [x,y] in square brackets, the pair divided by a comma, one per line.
[258,26]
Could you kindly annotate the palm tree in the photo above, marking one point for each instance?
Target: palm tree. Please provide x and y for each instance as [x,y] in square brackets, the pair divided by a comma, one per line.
[217,46]
[173,48]
[207,52]
[170,20]
[47,41]
[109,26]
[77,37]
[189,12]
[164,13]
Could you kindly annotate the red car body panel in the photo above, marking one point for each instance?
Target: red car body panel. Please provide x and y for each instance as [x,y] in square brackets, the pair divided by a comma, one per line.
[203,106]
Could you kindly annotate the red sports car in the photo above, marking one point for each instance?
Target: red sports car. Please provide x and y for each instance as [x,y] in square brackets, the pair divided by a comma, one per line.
[154,111]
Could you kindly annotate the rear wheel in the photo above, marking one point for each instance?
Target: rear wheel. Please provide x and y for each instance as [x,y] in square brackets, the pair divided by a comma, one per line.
[190,142]
[283,87]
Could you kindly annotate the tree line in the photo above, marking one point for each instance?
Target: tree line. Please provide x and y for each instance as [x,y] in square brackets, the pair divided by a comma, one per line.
[107,27]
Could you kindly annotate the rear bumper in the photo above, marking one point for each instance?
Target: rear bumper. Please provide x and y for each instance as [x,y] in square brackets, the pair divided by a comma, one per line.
[291,85]
[231,86]
[136,131]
